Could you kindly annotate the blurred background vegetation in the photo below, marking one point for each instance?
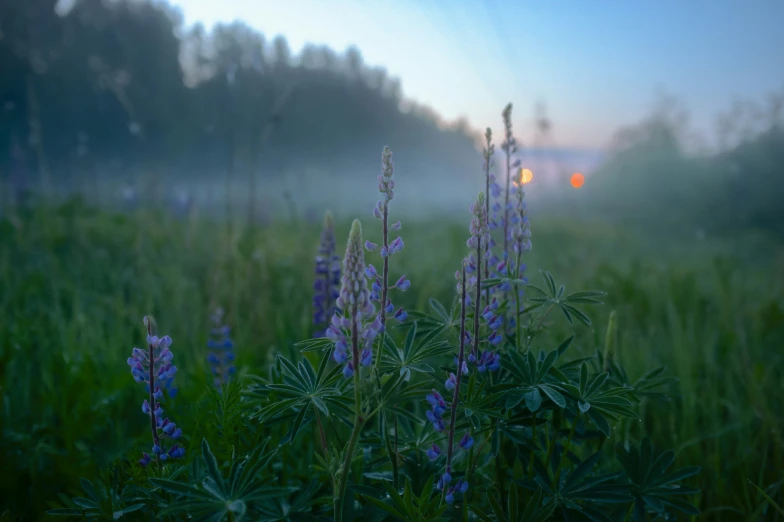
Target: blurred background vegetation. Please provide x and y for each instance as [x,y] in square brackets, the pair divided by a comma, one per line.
[126,138]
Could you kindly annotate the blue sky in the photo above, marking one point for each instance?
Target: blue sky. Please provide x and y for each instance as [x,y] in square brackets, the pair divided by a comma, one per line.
[596,64]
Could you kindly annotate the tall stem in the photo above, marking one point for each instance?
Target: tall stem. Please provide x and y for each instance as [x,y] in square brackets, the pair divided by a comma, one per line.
[456,394]
[518,323]
[151,357]
[345,469]
[384,288]
[476,303]
[487,213]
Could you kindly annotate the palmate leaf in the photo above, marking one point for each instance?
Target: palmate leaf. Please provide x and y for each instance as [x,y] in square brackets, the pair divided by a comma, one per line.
[536,508]
[315,345]
[408,506]
[433,324]
[538,379]
[579,493]
[651,486]
[303,389]
[599,401]
[104,503]
[215,498]
[413,356]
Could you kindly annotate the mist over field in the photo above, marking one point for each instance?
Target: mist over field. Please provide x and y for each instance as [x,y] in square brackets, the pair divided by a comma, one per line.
[201,164]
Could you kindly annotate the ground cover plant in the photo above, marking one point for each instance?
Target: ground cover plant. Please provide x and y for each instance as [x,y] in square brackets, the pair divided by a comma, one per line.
[373,387]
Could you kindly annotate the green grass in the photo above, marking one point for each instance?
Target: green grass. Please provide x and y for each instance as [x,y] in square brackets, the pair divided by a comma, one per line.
[75,283]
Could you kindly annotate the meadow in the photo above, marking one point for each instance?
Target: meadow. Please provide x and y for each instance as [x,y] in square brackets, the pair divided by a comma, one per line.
[76,281]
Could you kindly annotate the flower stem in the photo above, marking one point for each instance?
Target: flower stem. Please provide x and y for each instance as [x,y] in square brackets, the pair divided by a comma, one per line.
[358,420]
[476,303]
[384,289]
[518,323]
[151,356]
[456,394]
[487,214]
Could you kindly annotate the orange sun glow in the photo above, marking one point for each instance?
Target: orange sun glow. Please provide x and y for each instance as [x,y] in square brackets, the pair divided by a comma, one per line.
[577,180]
[526,176]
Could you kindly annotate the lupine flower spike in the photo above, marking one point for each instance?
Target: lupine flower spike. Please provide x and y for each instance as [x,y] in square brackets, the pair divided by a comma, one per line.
[360,321]
[521,243]
[358,315]
[487,153]
[509,148]
[153,366]
[221,357]
[327,283]
[380,286]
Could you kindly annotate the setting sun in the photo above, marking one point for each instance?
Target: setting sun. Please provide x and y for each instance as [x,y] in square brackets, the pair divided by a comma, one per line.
[577,180]
[526,176]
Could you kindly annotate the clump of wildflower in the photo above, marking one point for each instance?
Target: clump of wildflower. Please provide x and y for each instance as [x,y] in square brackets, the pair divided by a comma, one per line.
[152,367]
[221,357]
[357,313]
[326,286]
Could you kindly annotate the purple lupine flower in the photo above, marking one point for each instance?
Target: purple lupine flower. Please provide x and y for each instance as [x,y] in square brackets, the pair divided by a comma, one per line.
[466,442]
[487,313]
[326,284]
[154,367]
[489,360]
[396,246]
[450,383]
[357,309]
[370,246]
[403,284]
[460,487]
[370,272]
[221,357]
[396,225]
[434,452]
[494,322]
[437,402]
[401,315]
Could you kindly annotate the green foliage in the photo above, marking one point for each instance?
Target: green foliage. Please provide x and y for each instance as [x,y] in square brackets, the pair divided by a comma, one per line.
[653,487]
[104,502]
[218,498]
[75,283]
[409,506]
